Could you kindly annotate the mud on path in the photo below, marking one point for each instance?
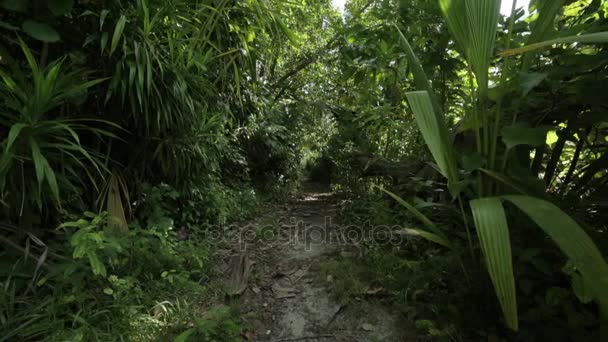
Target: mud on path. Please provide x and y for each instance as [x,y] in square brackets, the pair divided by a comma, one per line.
[273,274]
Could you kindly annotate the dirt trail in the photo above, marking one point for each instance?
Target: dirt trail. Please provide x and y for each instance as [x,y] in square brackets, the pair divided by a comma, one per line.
[286,296]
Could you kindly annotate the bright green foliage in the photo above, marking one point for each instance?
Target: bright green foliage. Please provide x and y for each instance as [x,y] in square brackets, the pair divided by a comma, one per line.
[435,133]
[493,233]
[169,119]
[473,23]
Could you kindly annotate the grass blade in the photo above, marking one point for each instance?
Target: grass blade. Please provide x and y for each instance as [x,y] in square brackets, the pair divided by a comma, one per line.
[436,236]
[120,26]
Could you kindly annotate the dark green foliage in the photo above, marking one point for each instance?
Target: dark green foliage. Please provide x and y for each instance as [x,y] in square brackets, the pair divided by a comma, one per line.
[98,100]
[178,117]
[218,326]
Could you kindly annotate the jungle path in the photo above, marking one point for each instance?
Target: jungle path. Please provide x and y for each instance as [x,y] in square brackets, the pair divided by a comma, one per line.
[274,276]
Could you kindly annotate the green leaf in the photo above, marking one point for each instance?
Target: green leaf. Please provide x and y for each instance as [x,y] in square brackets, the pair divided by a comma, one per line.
[523,134]
[437,236]
[108,291]
[493,232]
[428,236]
[13,134]
[120,26]
[60,7]
[435,133]
[96,264]
[183,337]
[8,26]
[529,81]
[592,38]
[504,179]
[52,181]
[548,11]
[40,31]
[420,78]
[474,24]
[472,161]
[572,240]
[580,288]
[38,160]
[102,18]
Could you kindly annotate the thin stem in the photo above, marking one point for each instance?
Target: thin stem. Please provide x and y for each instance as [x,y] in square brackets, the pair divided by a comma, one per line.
[503,79]
[477,129]
[466,226]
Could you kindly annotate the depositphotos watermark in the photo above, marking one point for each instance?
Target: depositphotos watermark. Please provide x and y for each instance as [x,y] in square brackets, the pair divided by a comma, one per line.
[298,232]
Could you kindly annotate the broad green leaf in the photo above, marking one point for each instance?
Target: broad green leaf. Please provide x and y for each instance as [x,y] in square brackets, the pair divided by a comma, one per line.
[581,290]
[572,240]
[474,24]
[436,236]
[120,26]
[434,132]
[420,78]
[548,11]
[591,38]
[60,7]
[523,134]
[493,232]
[472,161]
[40,31]
[504,179]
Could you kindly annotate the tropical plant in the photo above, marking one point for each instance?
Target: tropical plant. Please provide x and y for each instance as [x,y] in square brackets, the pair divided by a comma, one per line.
[44,137]
[483,176]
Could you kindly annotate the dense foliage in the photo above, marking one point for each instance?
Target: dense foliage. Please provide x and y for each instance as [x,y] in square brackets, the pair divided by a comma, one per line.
[131,131]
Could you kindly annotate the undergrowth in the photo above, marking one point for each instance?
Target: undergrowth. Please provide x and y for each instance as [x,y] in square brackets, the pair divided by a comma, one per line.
[149,283]
[430,288]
